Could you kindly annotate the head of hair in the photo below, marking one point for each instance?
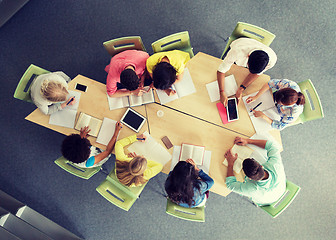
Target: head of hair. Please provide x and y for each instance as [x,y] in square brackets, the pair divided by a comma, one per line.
[288,96]
[129,79]
[253,169]
[164,75]
[76,149]
[53,91]
[181,182]
[257,61]
[131,172]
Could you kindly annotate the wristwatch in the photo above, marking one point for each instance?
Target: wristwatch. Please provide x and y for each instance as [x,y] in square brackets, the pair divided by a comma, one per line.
[242,86]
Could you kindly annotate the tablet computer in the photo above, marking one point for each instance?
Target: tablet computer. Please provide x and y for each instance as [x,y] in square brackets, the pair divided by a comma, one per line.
[232,110]
[133,120]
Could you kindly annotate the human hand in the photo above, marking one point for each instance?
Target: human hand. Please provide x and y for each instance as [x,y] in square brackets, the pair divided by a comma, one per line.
[230,157]
[70,101]
[251,99]
[239,94]
[84,132]
[141,138]
[139,91]
[170,91]
[258,114]
[241,141]
[223,98]
[118,127]
[192,163]
[132,154]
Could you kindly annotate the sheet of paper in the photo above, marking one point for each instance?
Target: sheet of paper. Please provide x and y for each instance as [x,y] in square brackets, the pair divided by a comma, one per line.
[151,150]
[230,88]
[119,102]
[64,118]
[77,96]
[206,161]
[164,98]
[266,99]
[106,131]
[186,86]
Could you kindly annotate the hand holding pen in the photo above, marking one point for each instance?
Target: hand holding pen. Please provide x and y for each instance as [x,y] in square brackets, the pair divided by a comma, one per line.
[255,107]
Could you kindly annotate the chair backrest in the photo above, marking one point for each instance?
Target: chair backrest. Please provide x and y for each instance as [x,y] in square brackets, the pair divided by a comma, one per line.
[118,45]
[118,194]
[190,214]
[250,31]
[312,107]
[68,166]
[22,90]
[284,201]
[177,41]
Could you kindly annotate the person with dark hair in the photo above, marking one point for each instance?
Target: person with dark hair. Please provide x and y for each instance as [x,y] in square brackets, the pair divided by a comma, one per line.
[289,102]
[187,185]
[127,73]
[133,170]
[77,149]
[166,68]
[249,53]
[264,184]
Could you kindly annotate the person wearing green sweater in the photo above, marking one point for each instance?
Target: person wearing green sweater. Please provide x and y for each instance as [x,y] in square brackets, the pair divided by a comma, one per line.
[133,170]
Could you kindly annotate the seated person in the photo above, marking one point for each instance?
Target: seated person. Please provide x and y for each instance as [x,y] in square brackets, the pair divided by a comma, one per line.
[187,185]
[264,184]
[133,170]
[49,91]
[288,100]
[249,53]
[166,68]
[77,149]
[126,73]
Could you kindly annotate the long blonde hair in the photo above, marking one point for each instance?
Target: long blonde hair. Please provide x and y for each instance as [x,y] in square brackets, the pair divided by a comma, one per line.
[54,91]
[131,172]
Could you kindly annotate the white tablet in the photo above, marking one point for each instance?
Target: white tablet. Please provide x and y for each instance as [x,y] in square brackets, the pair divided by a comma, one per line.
[133,120]
[232,110]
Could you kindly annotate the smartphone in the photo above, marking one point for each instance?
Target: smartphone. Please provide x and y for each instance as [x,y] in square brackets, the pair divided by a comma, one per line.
[232,109]
[81,87]
[167,142]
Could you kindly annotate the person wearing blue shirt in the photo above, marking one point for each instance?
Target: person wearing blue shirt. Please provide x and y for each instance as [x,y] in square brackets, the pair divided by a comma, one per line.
[187,185]
[264,184]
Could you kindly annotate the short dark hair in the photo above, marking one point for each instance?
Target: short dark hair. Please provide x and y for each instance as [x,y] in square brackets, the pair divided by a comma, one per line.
[129,79]
[257,61]
[164,75]
[253,169]
[76,149]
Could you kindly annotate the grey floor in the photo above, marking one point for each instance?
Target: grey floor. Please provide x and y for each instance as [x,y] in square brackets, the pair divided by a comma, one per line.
[68,35]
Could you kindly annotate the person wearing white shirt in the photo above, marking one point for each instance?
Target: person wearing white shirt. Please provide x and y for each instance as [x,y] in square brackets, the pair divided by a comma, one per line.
[249,53]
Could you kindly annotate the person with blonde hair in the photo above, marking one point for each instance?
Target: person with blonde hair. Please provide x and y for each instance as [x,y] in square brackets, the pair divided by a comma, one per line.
[133,170]
[49,92]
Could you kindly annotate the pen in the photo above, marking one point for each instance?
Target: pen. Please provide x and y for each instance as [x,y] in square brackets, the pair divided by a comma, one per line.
[70,101]
[256,106]
[140,138]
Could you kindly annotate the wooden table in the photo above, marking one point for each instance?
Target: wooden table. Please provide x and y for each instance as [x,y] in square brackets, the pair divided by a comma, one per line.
[191,119]
[93,102]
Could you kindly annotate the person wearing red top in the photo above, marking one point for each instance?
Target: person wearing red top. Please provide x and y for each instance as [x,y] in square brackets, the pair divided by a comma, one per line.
[126,73]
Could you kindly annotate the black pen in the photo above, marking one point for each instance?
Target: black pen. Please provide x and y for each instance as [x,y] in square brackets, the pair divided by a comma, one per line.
[141,139]
[256,106]
[70,101]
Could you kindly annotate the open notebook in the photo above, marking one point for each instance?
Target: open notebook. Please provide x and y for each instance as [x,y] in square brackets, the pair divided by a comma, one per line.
[206,159]
[93,123]
[183,88]
[243,153]
[67,116]
[194,152]
[106,131]
[230,88]
[151,150]
[267,106]
[131,101]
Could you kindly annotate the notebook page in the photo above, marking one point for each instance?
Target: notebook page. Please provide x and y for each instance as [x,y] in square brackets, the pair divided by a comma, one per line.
[197,155]
[106,131]
[119,102]
[64,118]
[164,98]
[185,86]
[186,152]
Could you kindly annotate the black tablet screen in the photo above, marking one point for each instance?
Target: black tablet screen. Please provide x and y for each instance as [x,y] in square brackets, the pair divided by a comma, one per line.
[232,109]
[133,120]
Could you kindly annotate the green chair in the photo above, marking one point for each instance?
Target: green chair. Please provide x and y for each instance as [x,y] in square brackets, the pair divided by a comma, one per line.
[179,41]
[22,91]
[250,31]
[118,194]
[190,214]
[68,166]
[118,45]
[284,201]
[312,108]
